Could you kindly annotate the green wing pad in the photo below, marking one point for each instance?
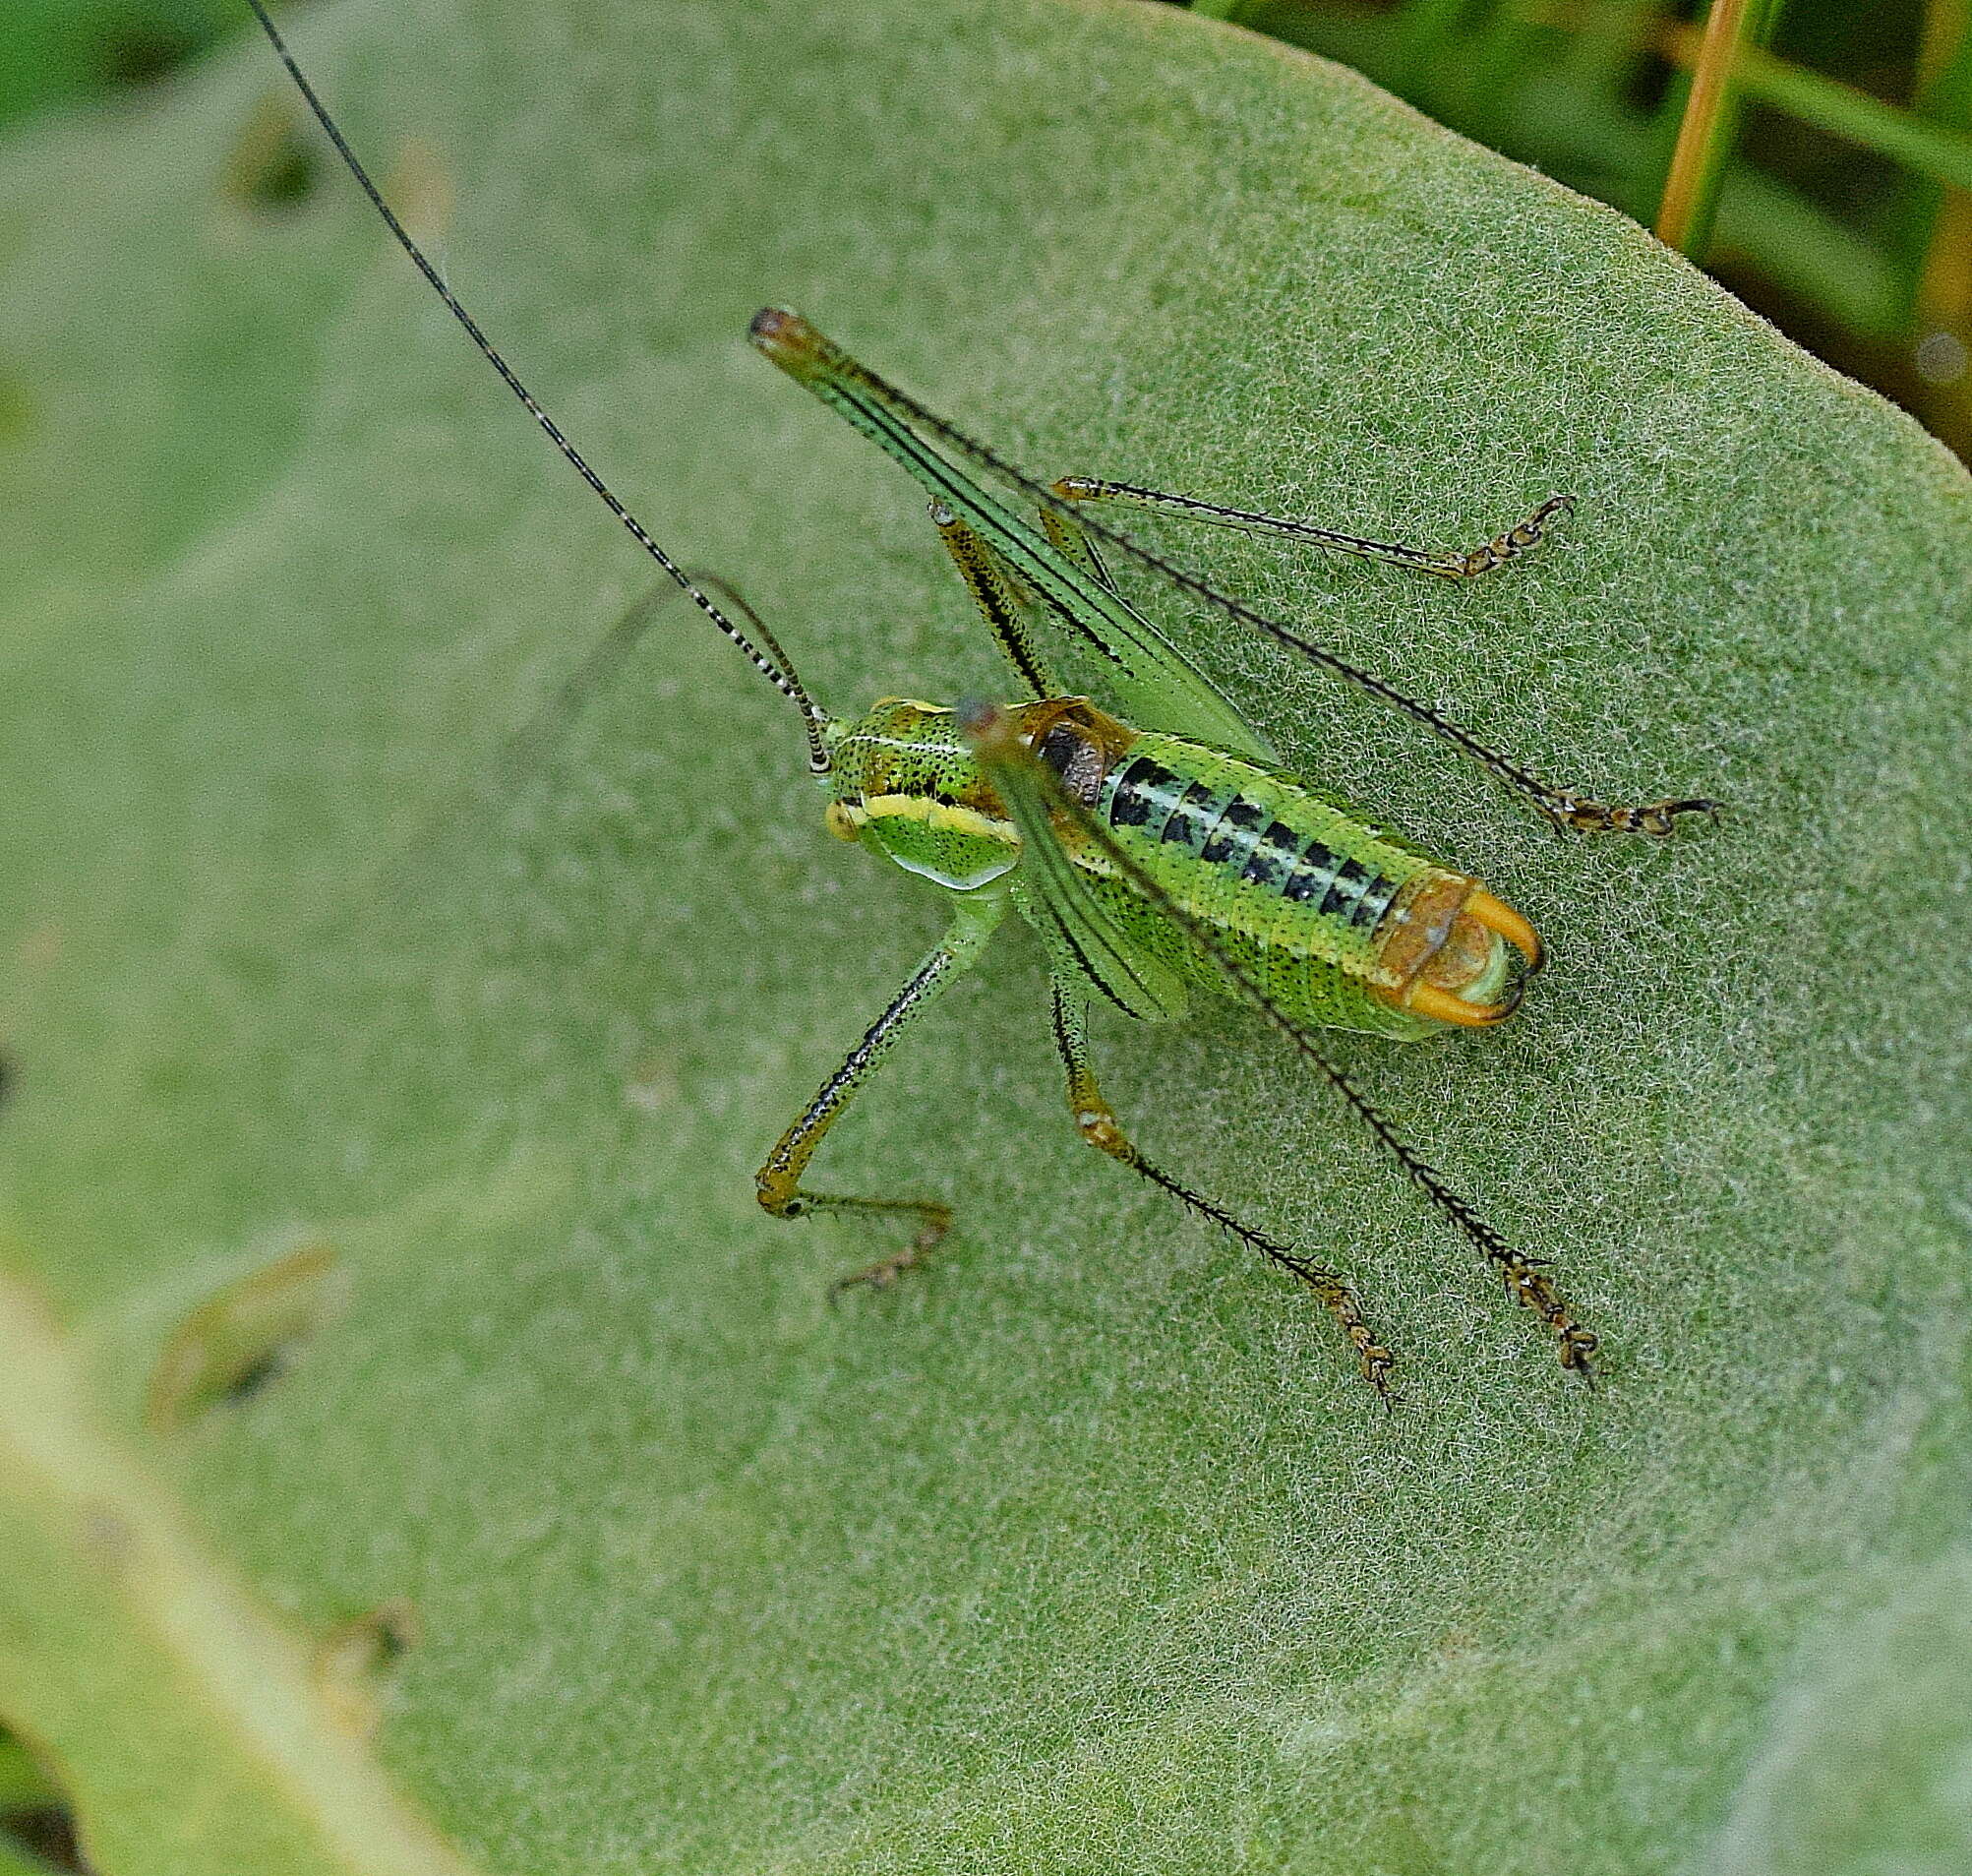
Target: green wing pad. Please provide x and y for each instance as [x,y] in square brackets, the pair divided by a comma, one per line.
[1091,942]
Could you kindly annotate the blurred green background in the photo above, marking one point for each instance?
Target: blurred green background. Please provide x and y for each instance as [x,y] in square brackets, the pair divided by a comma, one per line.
[64,51]
[1845,211]
[1845,203]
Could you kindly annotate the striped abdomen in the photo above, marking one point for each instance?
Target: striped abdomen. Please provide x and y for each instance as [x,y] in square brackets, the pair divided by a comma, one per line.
[1309,900]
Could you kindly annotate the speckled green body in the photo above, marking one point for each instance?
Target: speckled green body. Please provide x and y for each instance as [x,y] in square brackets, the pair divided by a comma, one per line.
[1304,895]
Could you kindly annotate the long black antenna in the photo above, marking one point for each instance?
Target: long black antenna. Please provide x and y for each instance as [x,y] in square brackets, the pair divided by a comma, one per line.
[781,677]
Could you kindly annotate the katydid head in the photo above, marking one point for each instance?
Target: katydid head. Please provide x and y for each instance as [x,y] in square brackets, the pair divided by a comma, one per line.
[907,785]
[909,782]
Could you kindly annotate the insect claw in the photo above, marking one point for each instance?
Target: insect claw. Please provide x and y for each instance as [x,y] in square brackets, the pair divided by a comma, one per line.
[1577,1344]
[1660,817]
[878,1276]
[1692,805]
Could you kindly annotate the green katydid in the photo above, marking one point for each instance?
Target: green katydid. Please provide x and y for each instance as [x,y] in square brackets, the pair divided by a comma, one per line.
[1160,850]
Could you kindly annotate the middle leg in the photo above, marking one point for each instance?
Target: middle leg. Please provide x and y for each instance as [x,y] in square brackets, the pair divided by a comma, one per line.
[990,581]
[1096,1121]
[1455,564]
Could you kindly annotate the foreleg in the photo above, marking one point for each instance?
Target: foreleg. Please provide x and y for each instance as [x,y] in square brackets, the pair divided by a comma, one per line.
[779,1179]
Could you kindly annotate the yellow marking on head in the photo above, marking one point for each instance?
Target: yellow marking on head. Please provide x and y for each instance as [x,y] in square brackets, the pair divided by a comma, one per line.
[942,815]
[842,821]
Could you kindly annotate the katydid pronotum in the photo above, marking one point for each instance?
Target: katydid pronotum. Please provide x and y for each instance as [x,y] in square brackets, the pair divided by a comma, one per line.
[1157,851]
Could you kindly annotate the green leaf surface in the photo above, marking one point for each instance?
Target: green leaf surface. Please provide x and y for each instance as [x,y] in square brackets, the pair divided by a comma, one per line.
[1086,1549]
[67,50]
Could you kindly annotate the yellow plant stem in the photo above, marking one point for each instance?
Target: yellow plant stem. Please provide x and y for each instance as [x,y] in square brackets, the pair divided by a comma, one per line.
[1702,134]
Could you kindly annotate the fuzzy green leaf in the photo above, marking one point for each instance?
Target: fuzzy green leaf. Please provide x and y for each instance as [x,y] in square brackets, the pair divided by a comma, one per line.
[1086,1548]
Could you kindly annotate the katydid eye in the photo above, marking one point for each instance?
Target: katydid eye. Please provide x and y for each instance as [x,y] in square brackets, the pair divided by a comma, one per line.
[1076,759]
[1057,749]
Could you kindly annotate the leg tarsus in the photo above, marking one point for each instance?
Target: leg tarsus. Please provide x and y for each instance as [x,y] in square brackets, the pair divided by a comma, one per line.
[1577,813]
[886,1270]
[1095,1121]
[1523,537]
[1528,1284]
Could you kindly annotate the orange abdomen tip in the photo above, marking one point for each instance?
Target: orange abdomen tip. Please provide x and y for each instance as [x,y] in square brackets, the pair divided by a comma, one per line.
[1498,915]
[1442,1007]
